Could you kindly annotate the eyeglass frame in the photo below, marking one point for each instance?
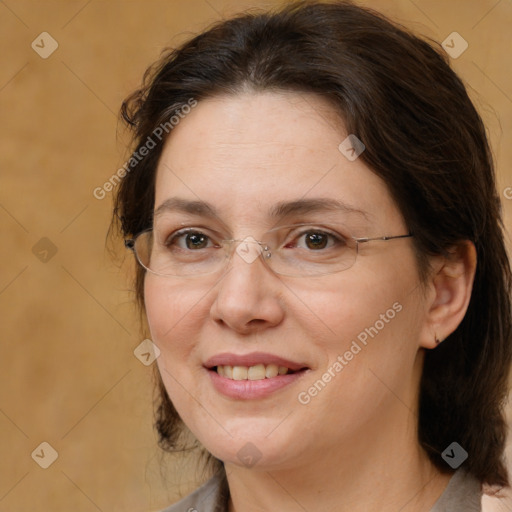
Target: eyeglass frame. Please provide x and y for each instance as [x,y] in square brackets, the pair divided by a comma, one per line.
[130,244]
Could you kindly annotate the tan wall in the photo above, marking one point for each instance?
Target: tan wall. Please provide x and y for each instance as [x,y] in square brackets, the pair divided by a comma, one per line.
[68,329]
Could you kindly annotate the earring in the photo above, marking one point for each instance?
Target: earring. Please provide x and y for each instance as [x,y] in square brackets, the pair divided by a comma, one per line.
[437,339]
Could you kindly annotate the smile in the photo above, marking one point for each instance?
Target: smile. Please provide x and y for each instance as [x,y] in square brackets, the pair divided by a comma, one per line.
[252,376]
[256,372]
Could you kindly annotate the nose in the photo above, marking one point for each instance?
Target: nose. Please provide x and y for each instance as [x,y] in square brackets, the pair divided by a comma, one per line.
[249,295]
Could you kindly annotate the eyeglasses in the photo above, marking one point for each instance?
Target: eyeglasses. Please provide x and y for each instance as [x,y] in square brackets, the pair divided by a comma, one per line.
[296,250]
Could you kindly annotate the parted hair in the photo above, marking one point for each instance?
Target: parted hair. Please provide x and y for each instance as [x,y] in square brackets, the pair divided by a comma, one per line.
[397,92]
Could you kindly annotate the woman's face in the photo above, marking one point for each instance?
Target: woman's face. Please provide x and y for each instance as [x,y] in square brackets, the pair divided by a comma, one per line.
[262,160]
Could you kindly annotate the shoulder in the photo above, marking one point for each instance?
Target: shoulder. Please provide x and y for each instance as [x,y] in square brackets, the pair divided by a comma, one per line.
[210,497]
[463,493]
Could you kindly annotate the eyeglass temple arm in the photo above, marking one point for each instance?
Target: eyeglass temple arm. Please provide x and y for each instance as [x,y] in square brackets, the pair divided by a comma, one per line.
[382,238]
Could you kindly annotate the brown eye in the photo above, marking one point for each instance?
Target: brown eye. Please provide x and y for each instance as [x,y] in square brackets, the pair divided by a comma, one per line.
[196,241]
[189,240]
[316,240]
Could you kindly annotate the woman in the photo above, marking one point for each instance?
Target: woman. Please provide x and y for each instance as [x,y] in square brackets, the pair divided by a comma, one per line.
[312,203]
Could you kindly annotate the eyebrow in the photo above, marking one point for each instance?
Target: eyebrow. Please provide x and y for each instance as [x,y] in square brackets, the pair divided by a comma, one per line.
[279,210]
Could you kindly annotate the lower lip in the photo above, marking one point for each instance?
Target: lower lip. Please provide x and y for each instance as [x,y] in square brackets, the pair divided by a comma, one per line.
[252,389]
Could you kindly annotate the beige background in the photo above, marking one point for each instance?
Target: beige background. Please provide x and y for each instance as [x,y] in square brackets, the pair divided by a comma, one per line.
[68,329]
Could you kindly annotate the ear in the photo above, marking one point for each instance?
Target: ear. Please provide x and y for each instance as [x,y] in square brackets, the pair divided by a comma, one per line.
[448,293]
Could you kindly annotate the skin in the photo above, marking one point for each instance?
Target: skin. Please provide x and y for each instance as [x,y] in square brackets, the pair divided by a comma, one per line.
[355,443]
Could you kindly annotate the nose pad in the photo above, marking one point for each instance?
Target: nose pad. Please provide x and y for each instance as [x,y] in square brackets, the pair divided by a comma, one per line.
[249,249]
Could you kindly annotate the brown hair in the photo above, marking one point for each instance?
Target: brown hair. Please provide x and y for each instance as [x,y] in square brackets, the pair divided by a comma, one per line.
[423,137]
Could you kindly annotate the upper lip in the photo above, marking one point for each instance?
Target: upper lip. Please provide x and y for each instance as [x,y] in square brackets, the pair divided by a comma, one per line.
[252,359]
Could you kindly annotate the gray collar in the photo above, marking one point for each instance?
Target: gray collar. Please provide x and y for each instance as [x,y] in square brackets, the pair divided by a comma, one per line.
[462,494]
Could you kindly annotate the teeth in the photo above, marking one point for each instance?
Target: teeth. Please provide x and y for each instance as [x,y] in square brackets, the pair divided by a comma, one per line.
[240,372]
[271,370]
[257,372]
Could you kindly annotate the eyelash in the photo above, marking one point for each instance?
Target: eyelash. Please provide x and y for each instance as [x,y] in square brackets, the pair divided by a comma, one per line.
[338,239]
[177,234]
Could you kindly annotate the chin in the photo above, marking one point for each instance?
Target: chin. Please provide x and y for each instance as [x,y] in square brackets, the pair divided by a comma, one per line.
[254,444]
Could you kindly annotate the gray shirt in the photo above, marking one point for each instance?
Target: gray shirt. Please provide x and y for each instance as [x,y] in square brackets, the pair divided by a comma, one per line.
[462,494]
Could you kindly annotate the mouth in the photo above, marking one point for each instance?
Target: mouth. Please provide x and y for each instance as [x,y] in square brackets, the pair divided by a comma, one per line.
[252,376]
[256,372]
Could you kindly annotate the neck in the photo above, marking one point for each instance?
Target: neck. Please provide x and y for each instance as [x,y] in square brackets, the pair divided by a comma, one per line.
[379,469]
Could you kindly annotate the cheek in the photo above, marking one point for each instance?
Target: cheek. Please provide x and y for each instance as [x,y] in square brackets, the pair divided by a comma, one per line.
[371,350]
[175,314]
[369,326]
[351,306]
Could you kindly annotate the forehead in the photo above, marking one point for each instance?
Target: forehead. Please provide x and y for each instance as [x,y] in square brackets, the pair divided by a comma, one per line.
[248,152]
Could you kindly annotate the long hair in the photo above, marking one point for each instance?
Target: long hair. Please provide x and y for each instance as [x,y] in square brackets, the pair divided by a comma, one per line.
[423,137]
